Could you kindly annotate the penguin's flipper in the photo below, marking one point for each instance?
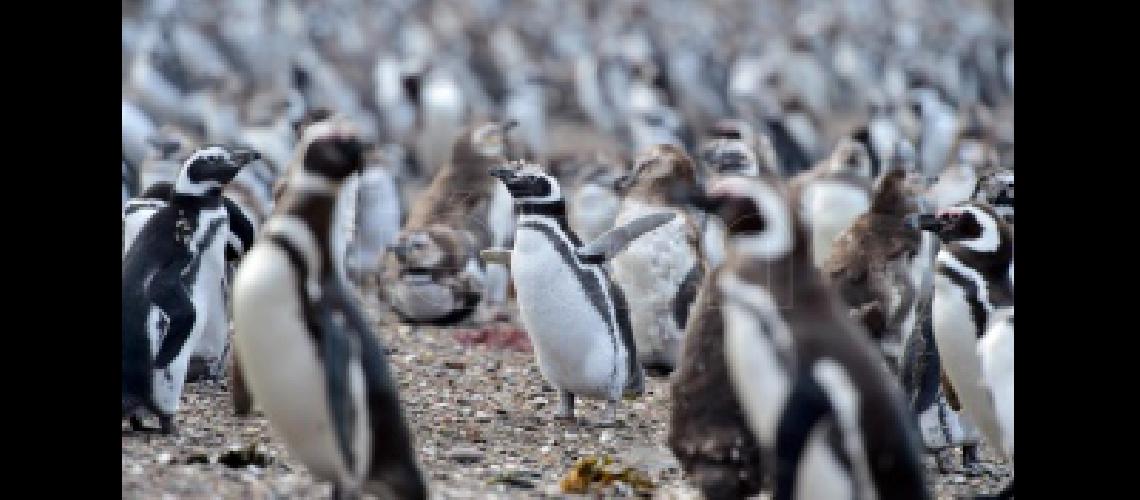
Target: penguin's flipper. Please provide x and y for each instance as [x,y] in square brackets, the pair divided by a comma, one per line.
[612,242]
[163,191]
[807,406]
[168,292]
[336,353]
[393,464]
[920,368]
[240,236]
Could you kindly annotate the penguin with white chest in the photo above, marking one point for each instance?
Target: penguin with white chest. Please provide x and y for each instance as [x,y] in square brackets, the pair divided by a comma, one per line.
[973,280]
[212,348]
[815,393]
[574,313]
[661,271]
[308,352]
[171,274]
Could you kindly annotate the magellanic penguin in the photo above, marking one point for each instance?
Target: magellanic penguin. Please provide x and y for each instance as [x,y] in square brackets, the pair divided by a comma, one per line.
[172,275]
[815,392]
[973,279]
[832,195]
[574,313]
[660,272]
[212,349]
[463,198]
[308,352]
[708,431]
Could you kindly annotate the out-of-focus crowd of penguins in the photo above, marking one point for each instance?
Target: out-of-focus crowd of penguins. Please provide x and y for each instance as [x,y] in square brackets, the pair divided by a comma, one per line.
[810,205]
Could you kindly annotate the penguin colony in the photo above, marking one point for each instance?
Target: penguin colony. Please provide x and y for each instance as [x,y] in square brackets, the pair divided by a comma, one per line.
[807,233]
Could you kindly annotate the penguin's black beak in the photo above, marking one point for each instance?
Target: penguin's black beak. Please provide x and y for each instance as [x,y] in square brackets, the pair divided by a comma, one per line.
[695,197]
[502,173]
[924,222]
[243,157]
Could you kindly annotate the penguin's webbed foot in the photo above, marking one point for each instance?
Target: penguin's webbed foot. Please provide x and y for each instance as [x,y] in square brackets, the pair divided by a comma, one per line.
[970,465]
[166,425]
[137,424]
[565,406]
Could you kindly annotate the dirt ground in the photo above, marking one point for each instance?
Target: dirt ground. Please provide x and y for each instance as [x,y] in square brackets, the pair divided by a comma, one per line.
[483,427]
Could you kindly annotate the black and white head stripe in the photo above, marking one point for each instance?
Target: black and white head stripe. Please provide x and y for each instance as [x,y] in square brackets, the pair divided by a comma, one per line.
[771,236]
[729,156]
[206,171]
[529,184]
[971,227]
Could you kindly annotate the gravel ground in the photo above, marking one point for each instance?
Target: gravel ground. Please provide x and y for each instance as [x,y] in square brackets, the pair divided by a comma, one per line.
[483,424]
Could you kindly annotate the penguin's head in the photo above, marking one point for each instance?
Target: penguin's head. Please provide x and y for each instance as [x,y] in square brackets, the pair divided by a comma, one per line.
[657,170]
[481,145]
[207,171]
[416,251]
[757,219]
[528,183]
[728,157]
[971,225]
[332,149]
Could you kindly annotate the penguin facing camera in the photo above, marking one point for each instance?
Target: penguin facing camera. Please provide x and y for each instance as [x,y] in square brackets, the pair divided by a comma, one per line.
[309,353]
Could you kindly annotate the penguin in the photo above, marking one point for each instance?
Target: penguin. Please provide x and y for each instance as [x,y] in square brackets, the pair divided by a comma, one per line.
[871,264]
[972,280]
[439,281]
[171,275]
[463,198]
[377,221]
[574,313]
[996,351]
[708,431]
[210,354]
[815,393]
[660,272]
[308,352]
[832,195]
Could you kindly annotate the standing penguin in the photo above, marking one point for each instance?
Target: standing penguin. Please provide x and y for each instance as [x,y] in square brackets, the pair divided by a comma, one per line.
[660,272]
[212,348]
[816,395]
[574,313]
[708,431]
[832,195]
[308,353]
[171,274]
[973,278]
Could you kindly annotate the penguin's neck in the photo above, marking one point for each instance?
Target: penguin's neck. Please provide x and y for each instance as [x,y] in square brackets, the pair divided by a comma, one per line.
[547,212]
[315,209]
[791,279]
